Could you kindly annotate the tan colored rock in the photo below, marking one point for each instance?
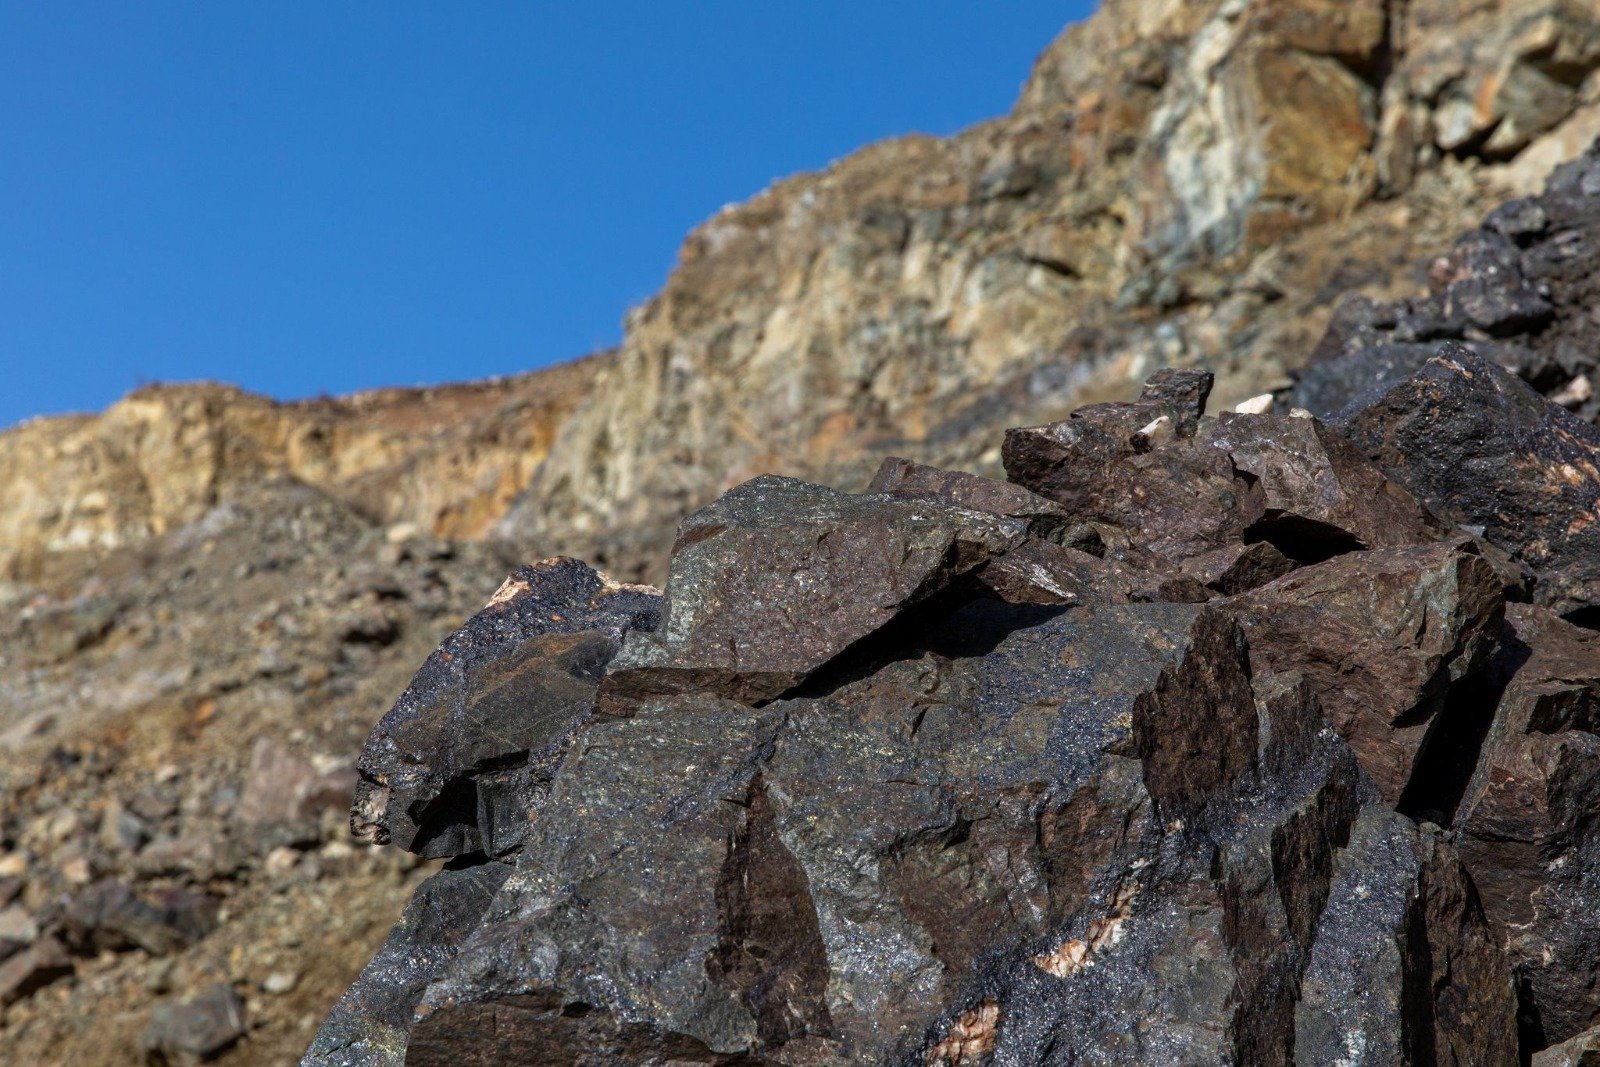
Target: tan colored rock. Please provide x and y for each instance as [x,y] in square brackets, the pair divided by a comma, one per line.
[447,459]
[1179,182]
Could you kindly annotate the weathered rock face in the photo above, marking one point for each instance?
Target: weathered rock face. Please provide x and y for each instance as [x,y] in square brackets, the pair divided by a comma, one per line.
[867,795]
[1179,184]
[446,461]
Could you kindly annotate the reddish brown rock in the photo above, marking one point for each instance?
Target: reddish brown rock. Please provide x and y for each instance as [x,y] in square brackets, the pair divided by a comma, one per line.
[1478,444]
[1527,823]
[778,577]
[1382,637]
[1318,495]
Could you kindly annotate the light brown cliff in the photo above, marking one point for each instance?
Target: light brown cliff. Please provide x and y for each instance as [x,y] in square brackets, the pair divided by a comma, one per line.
[1179,182]
[447,460]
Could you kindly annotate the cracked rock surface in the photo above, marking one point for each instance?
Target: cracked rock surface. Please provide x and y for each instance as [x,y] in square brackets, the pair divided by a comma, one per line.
[1202,740]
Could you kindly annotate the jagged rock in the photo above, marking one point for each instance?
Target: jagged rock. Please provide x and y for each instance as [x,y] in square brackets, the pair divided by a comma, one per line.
[1175,498]
[1527,819]
[1238,568]
[1382,637]
[1581,1051]
[916,481]
[778,577]
[481,728]
[1064,458]
[1199,498]
[197,1029]
[1518,292]
[368,1027]
[1107,832]
[1404,969]
[1045,569]
[1475,442]
[887,768]
[1328,388]
[1040,572]
[1318,495]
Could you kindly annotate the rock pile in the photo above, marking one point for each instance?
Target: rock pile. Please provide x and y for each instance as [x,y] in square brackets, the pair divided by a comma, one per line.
[1202,739]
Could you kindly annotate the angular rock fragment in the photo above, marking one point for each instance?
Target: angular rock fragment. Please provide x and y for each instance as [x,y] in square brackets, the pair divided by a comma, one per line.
[17,930]
[490,713]
[1238,568]
[369,1025]
[1327,388]
[1195,498]
[199,1028]
[1404,969]
[281,789]
[1176,499]
[1580,1051]
[1164,764]
[1044,573]
[755,825]
[110,916]
[1528,821]
[777,577]
[26,972]
[1474,442]
[916,481]
[1382,637]
[1318,495]
[1095,437]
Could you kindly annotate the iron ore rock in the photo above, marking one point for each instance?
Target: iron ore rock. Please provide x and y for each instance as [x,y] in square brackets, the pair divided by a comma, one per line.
[1202,741]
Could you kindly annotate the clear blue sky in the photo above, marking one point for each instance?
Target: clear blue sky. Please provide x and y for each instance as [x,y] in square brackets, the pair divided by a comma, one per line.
[323,197]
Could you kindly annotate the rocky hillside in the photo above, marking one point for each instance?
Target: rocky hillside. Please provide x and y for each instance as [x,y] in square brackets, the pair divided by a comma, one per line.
[447,461]
[208,598]
[1179,184]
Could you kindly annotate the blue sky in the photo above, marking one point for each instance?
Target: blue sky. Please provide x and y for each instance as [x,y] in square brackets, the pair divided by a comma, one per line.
[323,197]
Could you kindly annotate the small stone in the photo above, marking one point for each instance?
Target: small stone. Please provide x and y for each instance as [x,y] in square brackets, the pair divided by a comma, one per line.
[123,831]
[77,870]
[13,865]
[17,926]
[1575,393]
[280,983]
[201,1027]
[158,975]
[30,970]
[281,860]
[1256,405]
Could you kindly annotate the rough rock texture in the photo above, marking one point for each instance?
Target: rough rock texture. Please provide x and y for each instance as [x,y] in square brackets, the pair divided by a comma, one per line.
[446,460]
[856,801]
[1481,446]
[206,599]
[1179,184]
[483,727]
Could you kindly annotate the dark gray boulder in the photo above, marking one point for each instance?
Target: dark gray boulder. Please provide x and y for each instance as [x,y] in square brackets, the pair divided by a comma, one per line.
[458,764]
[1211,742]
[1479,445]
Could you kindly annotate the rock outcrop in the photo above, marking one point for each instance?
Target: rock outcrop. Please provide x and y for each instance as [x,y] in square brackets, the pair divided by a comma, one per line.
[839,796]
[1179,184]
[444,461]
[962,717]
